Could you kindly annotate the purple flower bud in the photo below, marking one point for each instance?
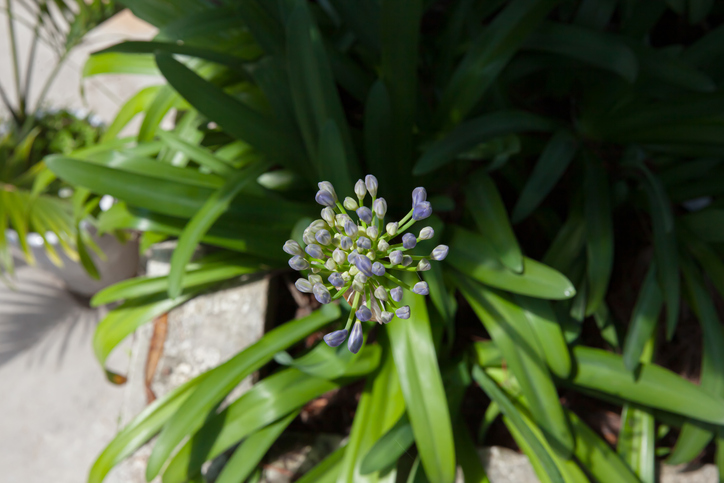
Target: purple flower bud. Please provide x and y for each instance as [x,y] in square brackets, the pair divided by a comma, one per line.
[396,294]
[328,215]
[315,251]
[426,233]
[364,243]
[334,339]
[439,253]
[323,237]
[327,186]
[345,243]
[391,228]
[380,207]
[386,317]
[403,312]
[383,246]
[409,241]
[422,211]
[363,313]
[292,248]
[350,228]
[418,196]
[298,263]
[421,288]
[406,260]
[359,189]
[371,184]
[350,204]
[378,269]
[396,257]
[354,344]
[424,265]
[303,285]
[381,293]
[336,280]
[338,256]
[365,214]
[324,198]
[352,256]
[321,293]
[364,265]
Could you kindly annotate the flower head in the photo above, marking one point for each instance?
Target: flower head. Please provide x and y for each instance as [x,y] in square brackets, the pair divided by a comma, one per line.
[355,339]
[421,288]
[334,339]
[325,198]
[360,189]
[292,248]
[409,241]
[426,233]
[350,204]
[380,207]
[421,211]
[365,214]
[328,215]
[371,185]
[357,257]
[418,196]
[303,285]
[439,253]
[327,186]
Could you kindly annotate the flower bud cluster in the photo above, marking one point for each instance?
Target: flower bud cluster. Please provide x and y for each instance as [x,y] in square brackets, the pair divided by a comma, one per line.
[355,258]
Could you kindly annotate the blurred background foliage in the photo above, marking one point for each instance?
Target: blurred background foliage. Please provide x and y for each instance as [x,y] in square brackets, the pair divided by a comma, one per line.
[30,200]
[573,154]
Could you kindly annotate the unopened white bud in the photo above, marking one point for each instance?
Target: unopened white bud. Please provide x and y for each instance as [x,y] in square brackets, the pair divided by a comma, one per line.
[360,189]
[350,204]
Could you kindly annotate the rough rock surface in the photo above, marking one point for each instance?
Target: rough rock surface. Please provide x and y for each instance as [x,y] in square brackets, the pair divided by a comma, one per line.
[201,334]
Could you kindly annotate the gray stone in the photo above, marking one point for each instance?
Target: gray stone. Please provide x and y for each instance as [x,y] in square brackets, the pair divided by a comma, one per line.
[201,334]
[504,465]
[689,474]
[296,453]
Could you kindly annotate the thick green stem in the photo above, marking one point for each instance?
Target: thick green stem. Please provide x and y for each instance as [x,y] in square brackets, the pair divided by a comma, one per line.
[401,269]
[354,306]
[397,281]
[406,226]
[342,291]
[407,217]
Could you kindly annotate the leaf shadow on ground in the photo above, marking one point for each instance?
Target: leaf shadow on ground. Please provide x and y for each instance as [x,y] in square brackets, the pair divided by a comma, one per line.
[38,314]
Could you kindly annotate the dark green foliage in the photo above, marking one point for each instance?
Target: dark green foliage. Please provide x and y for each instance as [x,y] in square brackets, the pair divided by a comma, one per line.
[597,123]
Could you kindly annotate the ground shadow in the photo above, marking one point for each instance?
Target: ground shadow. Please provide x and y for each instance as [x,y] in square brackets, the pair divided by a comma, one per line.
[38,314]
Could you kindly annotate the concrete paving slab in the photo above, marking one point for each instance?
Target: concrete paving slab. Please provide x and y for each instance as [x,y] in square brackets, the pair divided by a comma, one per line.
[57,410]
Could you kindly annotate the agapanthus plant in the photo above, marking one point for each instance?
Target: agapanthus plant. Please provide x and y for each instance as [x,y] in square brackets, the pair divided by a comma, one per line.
[353,260]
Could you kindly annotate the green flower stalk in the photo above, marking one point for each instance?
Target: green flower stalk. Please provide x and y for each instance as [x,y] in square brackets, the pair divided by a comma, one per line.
[354,259]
